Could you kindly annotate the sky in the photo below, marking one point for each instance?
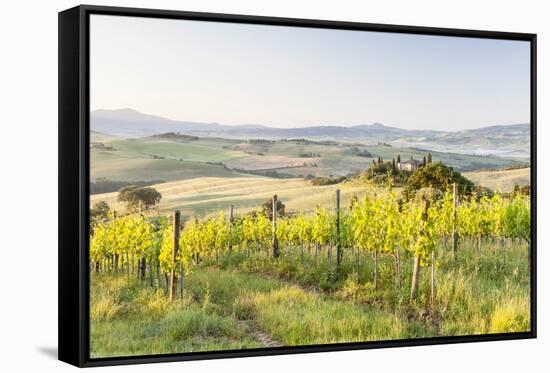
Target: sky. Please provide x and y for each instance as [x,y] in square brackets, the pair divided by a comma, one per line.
[296,77]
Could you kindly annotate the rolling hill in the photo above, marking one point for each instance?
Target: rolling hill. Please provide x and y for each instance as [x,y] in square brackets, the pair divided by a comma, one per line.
[502,181]
[502,140]
[209,195]
[182,157]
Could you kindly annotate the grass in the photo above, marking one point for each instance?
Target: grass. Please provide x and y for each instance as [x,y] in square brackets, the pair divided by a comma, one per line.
[486,294]
[127,319]
[474,295]
[223,310]
[250,302]
[298,317]
[510,316]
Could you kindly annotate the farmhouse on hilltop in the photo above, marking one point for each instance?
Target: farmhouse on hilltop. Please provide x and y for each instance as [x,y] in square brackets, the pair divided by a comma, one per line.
[411,165]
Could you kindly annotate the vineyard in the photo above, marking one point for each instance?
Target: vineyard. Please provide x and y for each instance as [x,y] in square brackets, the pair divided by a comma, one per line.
[379,253]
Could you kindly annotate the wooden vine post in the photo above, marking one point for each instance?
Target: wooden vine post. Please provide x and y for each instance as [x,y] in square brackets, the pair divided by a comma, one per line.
[418,256]
[127,265]
[432,293]
[173,276]
[397,254]
[181,281]
[454,235]
[416,275]
[274,228]
[229,246]
[375,268]
[397,268]
[338,244]
[142,267]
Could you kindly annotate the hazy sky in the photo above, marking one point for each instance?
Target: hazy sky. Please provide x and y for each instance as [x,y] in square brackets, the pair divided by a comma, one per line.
[295,77]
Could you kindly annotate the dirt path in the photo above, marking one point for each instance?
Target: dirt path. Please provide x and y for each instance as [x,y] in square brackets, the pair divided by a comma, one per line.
[260,336]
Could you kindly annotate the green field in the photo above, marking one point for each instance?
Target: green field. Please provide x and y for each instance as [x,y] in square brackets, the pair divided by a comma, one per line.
[173,159]
[125,168]
[199,151]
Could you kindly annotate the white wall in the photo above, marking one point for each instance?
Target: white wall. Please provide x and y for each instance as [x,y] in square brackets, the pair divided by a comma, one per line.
[28,153]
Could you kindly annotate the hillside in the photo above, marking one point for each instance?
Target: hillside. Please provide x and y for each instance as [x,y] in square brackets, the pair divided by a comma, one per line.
[503,181]
[208,195]
[502,140]
[184,157]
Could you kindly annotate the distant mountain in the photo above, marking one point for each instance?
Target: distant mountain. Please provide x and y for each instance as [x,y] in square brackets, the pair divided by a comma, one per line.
[132,123]
[503,140]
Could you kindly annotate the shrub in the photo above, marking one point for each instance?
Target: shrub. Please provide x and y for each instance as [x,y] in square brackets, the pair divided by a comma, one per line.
[439,177]
[327,180]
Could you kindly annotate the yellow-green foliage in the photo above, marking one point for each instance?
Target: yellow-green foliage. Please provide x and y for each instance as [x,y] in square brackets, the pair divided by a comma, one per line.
[151,303]
[104,308]
[166,253]
[511,316]
[130,234]
[105,297]
[351,289]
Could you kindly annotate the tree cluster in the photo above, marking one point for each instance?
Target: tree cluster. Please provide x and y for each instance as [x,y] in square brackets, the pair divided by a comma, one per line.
[267,208]
[327,180]
[439,177]
[99,211]
[139,198]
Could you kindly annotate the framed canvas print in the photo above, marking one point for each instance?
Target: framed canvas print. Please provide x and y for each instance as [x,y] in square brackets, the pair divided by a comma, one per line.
[235,186]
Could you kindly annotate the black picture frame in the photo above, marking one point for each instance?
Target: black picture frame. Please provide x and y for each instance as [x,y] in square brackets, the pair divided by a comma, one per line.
[74,182]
